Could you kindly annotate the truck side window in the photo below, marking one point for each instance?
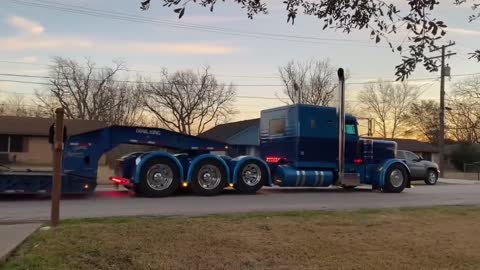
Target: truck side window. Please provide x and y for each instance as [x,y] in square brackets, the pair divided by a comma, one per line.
[410,156]
[350,129]
[277,126]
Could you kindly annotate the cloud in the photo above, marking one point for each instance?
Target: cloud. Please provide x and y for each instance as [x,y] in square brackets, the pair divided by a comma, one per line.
[24,24]
[29,59]
[43,42]
[463,31]
[37,40]
[164,48]
[197,19]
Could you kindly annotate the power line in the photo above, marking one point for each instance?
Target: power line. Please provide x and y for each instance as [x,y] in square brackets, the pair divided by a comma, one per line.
[225,31]
[235,85]
[142,71]
[26,82]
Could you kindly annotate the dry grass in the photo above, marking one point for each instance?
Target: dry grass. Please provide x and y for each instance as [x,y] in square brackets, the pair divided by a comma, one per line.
[435,238]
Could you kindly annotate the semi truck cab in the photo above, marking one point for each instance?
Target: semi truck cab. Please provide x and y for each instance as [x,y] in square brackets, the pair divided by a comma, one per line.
[301,145]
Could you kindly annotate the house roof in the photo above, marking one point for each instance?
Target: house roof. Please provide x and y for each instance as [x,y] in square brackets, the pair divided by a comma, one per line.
[36,126]
[223,132]
[413,145]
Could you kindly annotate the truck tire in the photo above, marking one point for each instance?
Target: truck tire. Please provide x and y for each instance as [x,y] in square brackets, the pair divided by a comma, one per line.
[432,177]
[252,177]
[209,177]
[159,177]
[396,179]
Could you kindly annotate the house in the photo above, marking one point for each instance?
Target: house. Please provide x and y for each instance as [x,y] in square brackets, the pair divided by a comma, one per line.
[427,151]
[24,140]
[243,139]
[241,136]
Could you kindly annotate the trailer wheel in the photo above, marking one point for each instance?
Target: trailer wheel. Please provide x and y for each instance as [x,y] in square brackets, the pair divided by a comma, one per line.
[209,177]
[396,179]
[159,177]
[252,177]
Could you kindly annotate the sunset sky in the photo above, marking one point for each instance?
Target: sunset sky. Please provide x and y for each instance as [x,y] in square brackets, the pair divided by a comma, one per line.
[226,40]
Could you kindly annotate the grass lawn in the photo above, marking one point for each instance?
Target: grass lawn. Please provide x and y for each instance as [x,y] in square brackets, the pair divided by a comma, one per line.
[433,238]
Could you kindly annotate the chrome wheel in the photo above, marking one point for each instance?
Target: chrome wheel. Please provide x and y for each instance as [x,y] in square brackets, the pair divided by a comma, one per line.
[159,177]
[432,177]
[251,174]
[396,178]
[209,176]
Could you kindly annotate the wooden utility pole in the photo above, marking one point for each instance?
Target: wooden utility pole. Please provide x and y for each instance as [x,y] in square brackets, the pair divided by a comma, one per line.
[443,73]
[298,91]
[57,167]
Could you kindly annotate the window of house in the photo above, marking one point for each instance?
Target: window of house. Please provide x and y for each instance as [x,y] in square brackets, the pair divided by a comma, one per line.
[277,126]
[16,144]
[12,144]
[3,143]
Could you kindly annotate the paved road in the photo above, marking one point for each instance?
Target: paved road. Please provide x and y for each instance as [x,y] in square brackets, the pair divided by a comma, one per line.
[15,209]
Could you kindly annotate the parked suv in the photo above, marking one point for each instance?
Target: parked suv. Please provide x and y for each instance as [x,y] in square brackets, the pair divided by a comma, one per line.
[420,169]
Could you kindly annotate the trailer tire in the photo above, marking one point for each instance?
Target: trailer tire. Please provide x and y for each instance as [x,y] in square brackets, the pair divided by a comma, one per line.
[159,177]
[396,179]
[252,176]
[209,177]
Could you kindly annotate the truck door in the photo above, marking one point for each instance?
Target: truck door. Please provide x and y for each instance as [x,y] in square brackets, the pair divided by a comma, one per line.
[416,167]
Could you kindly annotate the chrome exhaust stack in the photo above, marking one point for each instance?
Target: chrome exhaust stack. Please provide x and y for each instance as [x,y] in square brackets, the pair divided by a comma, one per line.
[350,179]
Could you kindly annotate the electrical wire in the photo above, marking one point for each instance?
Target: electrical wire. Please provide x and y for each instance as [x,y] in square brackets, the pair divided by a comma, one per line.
[225,31]
[234,85]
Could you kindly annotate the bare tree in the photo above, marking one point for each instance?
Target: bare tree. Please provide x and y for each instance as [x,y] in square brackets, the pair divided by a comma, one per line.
[463,116]
[189,102]
[468,88]
[423,118]
[314,81]
[19,105]
[91,93]
[464,120]
[388,103]
[3,109]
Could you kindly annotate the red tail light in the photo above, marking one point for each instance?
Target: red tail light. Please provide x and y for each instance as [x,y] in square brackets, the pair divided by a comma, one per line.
[358,161]
[120,180]
[273,159]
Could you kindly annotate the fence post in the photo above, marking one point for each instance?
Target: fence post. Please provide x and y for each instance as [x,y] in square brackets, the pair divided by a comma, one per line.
[57,168]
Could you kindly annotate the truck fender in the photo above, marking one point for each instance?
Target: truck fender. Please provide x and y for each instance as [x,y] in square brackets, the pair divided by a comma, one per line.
[239,161]
[206,156]
[383,168]
[151,155]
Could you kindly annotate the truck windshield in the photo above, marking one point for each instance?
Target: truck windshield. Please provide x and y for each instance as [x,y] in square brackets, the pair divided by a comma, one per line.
[350,129]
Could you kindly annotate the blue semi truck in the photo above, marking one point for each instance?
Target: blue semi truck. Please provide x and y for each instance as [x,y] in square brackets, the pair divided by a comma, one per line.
[300,146]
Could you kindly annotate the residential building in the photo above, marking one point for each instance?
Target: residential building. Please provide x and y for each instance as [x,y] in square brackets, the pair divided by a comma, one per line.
[242,136]
[24,140]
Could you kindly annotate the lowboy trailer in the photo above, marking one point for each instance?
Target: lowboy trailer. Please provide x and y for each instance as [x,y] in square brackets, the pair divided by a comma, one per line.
[300,146]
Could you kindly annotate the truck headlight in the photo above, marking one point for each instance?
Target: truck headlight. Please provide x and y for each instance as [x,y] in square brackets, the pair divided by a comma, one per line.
[137,160]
